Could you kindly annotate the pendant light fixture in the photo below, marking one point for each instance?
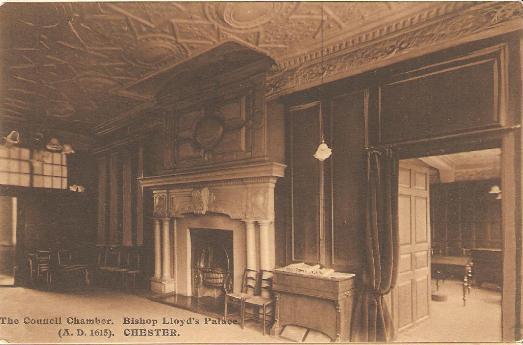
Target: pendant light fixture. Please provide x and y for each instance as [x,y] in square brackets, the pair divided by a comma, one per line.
[323,151]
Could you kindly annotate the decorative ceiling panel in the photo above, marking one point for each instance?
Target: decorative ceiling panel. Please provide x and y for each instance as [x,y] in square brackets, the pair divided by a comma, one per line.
[75,61]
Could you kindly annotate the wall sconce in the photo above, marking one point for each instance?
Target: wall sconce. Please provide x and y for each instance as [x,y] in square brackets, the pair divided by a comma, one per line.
[67,149]
[77,188]
[12,138]
[54,145]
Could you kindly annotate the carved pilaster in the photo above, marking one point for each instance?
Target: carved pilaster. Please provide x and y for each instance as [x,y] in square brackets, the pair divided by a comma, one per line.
[171,204]
[160,204]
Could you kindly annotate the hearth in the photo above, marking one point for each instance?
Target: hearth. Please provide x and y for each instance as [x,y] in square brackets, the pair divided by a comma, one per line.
[212,261]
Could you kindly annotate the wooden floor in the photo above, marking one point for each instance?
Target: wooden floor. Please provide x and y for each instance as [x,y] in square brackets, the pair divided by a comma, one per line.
[450,321]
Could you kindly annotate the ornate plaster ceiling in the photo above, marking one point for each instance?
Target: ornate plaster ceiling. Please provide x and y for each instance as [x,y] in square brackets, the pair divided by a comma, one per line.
[72,62]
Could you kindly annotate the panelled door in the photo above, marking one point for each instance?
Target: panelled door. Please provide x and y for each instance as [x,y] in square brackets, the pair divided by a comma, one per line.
[411,296]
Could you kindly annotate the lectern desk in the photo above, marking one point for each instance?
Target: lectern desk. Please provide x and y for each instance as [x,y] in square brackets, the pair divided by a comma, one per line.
[320,303]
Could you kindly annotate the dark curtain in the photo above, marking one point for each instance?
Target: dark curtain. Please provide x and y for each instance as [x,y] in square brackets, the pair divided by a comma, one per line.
[371,319]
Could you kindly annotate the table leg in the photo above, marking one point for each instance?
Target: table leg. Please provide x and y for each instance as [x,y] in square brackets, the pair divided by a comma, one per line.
[469,275]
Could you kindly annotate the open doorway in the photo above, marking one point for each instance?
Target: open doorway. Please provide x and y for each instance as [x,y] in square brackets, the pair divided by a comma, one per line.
[449,289]
[8,218]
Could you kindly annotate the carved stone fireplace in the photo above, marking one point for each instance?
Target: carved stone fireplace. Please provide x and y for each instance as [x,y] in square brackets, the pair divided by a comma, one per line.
[238,199]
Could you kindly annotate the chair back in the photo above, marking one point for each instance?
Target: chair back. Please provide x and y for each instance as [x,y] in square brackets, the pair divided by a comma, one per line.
[65,257]
[101,254]
[266,284]
[250,281]
[134,260]
[113,257]
[43,260]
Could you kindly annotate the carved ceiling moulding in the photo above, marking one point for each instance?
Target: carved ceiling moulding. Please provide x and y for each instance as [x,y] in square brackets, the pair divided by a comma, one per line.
[247,16]
[287,77]
[156,51]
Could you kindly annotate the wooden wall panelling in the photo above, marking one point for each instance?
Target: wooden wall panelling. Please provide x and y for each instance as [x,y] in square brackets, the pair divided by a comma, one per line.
[114,200]
[305,183]
[465,216]
[168,135]
[139,195]
[127,196]
[276,131]
[259,116]
[458,95]
[102,201]
[347,179]
[220,131]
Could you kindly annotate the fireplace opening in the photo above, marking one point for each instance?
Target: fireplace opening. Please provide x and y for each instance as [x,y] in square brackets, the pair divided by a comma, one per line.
[212,262]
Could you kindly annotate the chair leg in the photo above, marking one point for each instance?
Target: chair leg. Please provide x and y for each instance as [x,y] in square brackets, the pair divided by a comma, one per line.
[242,313]
[264,315]
[225,308]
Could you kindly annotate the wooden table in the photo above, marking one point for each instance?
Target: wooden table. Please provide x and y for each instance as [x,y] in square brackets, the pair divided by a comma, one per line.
[315,302]
[442,264]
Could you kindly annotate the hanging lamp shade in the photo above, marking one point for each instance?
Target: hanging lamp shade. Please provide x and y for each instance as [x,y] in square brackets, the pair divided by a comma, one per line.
[12,138]
[323,152]
[494,189]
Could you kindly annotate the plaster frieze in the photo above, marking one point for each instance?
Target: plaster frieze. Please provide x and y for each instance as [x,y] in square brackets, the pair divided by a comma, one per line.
[379,47]
[243,192]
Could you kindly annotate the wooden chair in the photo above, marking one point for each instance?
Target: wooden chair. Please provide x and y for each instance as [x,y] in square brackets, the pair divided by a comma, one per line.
[43,266]
[109,264]
[263,302]
[66,266]
[248,289]
[134,268]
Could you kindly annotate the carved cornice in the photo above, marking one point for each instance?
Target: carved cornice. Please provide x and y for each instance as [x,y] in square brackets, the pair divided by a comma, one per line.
[259,172]
[394,42]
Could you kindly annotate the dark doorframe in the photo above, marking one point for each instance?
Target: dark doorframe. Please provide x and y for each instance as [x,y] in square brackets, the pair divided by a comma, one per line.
[509,140]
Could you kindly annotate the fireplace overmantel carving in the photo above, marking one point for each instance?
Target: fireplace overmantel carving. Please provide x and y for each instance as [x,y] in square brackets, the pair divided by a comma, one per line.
[243,192]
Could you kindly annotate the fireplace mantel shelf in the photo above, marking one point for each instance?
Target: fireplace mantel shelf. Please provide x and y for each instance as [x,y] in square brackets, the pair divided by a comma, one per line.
[215,174]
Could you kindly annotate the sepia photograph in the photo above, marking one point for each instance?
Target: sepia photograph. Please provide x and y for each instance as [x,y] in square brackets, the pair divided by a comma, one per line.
[248,172]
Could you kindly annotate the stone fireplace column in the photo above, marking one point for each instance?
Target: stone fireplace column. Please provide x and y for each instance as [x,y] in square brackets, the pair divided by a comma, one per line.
[157,250]
[266,255]
[162,282]
[166,250]
[251,244]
